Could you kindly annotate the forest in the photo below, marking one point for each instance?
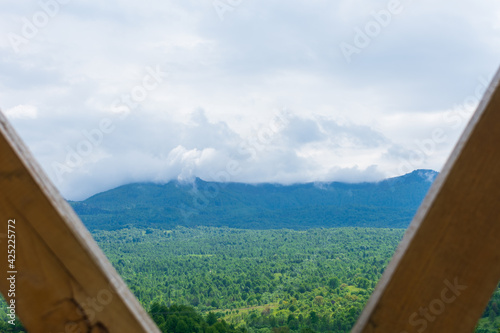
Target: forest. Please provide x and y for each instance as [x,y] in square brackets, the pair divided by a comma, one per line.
[390,203]
[209,279]
[256,279]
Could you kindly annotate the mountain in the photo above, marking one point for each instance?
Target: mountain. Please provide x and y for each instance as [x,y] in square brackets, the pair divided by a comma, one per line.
[389,203]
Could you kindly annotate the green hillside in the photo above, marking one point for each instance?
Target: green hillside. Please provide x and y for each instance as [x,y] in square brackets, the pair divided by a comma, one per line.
[389,203]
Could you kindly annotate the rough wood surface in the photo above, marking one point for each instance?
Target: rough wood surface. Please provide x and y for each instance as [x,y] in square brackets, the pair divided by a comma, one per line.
[64,283]
[448,264]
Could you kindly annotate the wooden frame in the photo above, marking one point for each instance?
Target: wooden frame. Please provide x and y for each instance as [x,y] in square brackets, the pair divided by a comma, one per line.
[63,281]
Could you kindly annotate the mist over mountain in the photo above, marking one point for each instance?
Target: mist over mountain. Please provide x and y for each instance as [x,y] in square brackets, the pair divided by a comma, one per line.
[390,203]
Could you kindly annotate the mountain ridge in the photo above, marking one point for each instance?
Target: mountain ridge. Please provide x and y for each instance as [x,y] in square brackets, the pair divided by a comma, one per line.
[388,203]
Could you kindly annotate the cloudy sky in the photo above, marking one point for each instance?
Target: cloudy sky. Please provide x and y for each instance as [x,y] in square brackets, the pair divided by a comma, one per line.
[111,92]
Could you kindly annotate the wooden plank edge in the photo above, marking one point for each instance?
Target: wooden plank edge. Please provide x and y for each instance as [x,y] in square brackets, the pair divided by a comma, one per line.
[421,214]
[76,227]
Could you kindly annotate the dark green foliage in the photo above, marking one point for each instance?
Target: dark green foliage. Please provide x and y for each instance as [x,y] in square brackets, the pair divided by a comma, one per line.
[211,318]
[184,319]
[490,321]
[334,283]
[389,203]
[5,327]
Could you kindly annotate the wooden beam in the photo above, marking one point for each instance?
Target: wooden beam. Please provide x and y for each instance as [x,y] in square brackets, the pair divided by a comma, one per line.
[63,281]
[448,264]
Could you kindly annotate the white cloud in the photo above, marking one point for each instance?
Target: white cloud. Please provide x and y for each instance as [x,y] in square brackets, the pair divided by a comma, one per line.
[22,112]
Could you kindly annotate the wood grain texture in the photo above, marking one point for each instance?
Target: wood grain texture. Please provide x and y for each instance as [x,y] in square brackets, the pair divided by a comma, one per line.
[448,264]
[64,283]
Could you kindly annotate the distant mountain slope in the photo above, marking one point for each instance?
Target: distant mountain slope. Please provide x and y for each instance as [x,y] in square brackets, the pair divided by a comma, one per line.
[389,203]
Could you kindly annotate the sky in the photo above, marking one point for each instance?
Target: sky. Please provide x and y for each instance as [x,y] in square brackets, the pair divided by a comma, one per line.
[106,93]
